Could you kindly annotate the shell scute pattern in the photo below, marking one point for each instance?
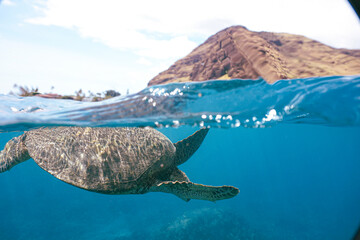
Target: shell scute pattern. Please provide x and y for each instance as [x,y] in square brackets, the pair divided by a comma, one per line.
[98,158]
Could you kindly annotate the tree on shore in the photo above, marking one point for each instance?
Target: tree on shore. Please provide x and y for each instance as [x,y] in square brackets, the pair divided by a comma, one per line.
[25,91]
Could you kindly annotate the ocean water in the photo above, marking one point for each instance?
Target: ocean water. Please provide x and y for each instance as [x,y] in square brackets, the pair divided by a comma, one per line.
[292,148]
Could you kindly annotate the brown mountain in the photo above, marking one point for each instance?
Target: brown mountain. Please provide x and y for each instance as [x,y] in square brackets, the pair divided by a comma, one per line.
[236,52]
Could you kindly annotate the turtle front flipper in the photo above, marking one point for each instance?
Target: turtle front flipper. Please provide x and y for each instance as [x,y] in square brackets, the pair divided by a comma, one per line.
[15,152]
[189,190]
[188,146]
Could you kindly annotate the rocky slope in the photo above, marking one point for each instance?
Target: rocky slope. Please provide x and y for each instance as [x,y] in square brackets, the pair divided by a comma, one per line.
[236,52]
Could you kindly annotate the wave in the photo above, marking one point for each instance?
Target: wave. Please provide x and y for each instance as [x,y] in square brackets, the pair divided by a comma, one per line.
[329,101]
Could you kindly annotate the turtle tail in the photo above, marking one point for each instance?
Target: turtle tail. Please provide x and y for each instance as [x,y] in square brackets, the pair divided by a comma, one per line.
[15,152]
[188,146]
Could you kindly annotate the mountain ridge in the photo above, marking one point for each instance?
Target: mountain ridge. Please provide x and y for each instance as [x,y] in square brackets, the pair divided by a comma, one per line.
[236,52]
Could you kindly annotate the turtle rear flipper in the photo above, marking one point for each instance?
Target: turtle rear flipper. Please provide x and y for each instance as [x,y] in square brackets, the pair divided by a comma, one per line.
[189,190]
[15,152]
[188,146]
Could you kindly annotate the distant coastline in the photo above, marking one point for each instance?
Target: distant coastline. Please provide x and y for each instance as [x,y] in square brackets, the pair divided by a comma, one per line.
[238,53]
[79,95]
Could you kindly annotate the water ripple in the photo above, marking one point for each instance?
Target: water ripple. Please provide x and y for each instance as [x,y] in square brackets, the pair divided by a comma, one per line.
[330,101]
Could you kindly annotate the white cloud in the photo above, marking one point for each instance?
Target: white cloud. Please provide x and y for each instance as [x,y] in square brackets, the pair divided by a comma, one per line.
[144,61]
[7,2]
[162,49]
[162,29]
[133,26]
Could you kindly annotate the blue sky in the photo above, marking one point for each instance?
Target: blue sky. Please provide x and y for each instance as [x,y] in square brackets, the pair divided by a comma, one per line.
[121,45]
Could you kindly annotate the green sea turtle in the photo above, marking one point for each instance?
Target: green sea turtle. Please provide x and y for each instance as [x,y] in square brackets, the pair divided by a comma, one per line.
[114,160]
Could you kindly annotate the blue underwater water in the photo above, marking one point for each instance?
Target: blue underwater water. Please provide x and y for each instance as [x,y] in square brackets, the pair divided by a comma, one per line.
[292,148]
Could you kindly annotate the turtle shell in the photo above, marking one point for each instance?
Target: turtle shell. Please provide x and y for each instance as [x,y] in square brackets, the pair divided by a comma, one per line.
[107,160]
